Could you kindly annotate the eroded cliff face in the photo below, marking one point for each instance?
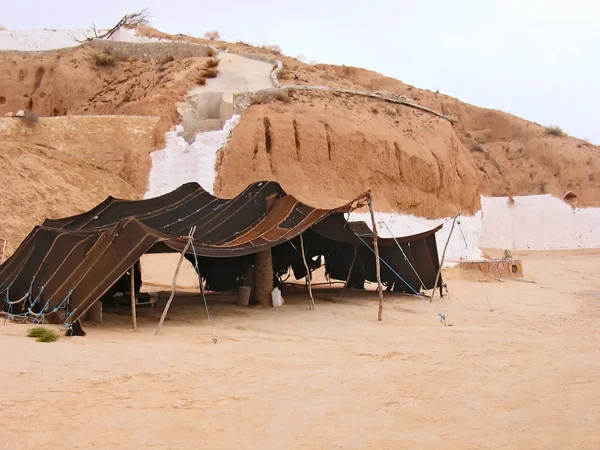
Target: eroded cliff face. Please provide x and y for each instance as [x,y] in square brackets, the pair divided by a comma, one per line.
[328,148]
[62,166]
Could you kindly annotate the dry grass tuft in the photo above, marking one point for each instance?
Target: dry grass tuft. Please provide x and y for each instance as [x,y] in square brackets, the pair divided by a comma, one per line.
[200,80]
[212,35]
[210,52]
[272,48]
[283,96]
[105,58]
[554,130]
[374,110]
[212,62]
[210,73]
[42,334]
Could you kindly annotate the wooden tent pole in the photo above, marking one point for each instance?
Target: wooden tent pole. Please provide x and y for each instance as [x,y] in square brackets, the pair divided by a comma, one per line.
[311,302]
[133,311]
[377,265]
[437,277]
[174,284]
[349,271]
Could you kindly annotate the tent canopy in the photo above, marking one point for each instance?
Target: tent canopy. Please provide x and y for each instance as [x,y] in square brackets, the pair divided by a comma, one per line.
[65,265]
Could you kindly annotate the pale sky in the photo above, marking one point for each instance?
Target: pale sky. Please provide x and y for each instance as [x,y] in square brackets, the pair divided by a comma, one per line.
[538,59]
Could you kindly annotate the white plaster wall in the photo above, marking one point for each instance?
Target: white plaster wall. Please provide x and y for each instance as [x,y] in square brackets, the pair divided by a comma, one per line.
[42,40]
[180,162]
[463,243]
[537,222]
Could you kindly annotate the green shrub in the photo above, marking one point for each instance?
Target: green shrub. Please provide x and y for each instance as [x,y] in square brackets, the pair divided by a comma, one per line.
[42,334]
[553,130]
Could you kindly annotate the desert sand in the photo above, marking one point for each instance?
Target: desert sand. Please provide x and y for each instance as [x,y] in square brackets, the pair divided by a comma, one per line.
[525,375]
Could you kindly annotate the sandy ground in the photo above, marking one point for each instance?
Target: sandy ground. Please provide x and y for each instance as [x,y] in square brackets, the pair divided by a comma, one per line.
[526,375]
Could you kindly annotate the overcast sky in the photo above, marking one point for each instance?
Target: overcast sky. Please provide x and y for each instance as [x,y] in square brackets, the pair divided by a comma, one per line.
[538,59]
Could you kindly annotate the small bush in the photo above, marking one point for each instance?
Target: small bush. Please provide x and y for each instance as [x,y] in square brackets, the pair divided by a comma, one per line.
[210,52]
[104,59]
[167,59]
[212,62]
[258,99]
[200,80]
[30,118]
[285,74]
[212,35]
[272,48]
[42,334]
[243,43]
[210,73]
[283,96]
[477,148]
[374,110]
[553,130]
[222,46]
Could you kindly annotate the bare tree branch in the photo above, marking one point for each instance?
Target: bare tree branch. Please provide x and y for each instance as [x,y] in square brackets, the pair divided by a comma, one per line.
[128,20]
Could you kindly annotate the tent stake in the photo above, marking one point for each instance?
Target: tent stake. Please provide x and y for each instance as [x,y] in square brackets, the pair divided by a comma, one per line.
[349,271]
[174,284]
[311,302]
[437,277]
[377,265]
[133,312]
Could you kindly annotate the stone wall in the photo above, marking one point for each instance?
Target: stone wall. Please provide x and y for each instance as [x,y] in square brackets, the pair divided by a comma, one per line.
[155,51]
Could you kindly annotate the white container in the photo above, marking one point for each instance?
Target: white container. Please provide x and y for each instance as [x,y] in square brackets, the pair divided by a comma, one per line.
[276,297]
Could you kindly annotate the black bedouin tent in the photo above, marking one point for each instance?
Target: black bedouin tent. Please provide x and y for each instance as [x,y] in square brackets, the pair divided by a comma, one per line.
[65,265]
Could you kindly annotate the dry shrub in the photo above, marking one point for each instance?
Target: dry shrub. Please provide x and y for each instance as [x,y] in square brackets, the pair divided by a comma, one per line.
[212,62]
[283,96]
[200,80]
[212,35]
[222,46]
[374,110]
[210,52]
[104,59]
[554,130]
[210,73]
[477,148]
[258,99]
[30,118]
[244,43]
[285,74]
[272,48]
[301,57]
[42,334]
[167,59]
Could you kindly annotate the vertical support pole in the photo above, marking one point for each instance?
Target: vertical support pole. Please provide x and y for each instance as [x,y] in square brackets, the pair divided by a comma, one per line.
[174,284]
[349,271]
[377,264]
[311,302]
[437,277]
[132,287]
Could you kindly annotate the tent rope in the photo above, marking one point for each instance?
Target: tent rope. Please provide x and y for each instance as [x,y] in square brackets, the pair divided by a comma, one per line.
[212,334]
[441,315]
[403,254]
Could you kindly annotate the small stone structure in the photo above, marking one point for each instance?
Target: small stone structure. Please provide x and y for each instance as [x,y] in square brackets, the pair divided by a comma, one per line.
[498,268]
[153,51]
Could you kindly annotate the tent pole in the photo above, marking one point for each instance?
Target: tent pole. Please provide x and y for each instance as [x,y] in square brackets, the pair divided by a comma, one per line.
[174,284]
[377,265]
[437,277]
[311,303]
[133,311]
[349,271]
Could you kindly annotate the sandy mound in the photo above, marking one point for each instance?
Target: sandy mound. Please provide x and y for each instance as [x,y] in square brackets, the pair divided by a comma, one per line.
[326,149]
[73,82]
[512,156]
[65,165]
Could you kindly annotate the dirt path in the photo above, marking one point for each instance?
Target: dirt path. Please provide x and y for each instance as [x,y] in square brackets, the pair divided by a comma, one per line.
[524,376]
